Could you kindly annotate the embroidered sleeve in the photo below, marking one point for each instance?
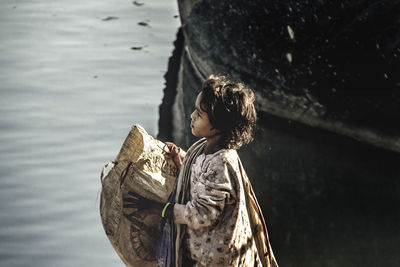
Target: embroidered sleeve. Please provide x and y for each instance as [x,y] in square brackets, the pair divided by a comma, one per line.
[211,191]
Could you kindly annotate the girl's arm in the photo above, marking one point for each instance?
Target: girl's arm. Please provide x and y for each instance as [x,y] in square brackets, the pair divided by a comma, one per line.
[212,192]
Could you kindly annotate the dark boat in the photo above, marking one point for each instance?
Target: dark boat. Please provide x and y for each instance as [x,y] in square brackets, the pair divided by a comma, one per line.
[325,162]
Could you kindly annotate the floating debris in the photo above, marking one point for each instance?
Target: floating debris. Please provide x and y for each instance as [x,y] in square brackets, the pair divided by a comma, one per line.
[143,23]
[290,32]
[137,3]
[136,47]
[95,76]
[176,16]
[110,18]
[386,76]
[289,57]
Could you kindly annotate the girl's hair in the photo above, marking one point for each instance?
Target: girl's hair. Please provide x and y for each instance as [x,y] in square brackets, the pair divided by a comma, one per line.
[230,109]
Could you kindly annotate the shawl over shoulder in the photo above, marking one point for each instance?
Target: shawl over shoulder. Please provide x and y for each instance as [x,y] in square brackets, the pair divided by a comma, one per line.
[169,252]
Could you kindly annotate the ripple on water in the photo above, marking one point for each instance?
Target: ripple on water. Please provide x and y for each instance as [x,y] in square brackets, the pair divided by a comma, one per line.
[71,89]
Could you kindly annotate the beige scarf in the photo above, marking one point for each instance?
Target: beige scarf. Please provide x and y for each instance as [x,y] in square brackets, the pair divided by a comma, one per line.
[257,222]
[183,191]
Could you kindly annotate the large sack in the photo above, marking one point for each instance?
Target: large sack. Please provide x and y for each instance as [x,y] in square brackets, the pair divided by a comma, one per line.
[140,168]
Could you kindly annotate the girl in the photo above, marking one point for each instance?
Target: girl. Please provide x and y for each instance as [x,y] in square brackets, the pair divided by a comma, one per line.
[212,217]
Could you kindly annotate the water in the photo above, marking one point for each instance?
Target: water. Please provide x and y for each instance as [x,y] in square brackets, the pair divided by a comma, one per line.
[71,87]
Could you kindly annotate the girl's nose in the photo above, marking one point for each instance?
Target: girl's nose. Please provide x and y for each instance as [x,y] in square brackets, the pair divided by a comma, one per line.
[191,115]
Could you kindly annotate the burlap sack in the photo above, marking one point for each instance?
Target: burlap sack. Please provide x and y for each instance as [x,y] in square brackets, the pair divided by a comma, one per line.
[140,167]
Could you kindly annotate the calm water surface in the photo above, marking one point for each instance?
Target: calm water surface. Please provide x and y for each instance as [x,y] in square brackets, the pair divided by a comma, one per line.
[71,87]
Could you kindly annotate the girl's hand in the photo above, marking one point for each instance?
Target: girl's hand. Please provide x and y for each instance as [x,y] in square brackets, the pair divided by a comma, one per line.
[173,154]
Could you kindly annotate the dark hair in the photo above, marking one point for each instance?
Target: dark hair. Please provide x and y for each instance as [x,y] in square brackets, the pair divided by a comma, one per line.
[230,109]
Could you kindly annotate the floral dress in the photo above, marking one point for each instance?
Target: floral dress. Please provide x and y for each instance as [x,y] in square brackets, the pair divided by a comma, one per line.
[218,229]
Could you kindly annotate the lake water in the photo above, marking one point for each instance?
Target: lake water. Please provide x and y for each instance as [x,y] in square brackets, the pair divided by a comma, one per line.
[71,88]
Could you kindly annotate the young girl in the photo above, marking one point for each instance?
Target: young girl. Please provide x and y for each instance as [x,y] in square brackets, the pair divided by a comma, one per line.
[212,217]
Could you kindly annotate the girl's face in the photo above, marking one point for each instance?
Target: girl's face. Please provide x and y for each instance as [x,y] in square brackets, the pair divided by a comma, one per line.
[200,124]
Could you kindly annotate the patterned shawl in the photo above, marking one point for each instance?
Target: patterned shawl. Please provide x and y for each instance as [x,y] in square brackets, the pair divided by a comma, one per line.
[169,251]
